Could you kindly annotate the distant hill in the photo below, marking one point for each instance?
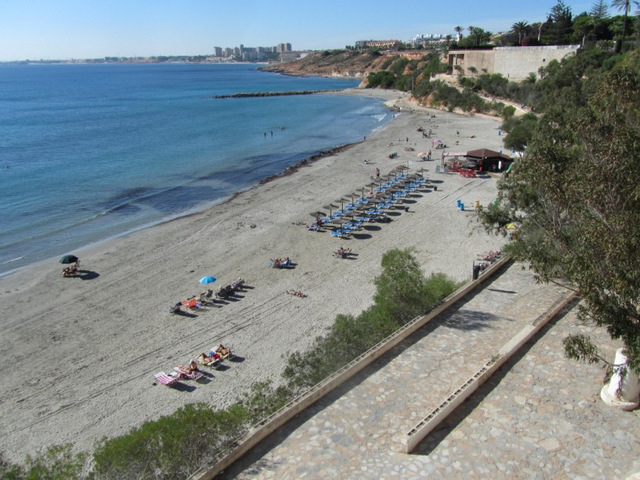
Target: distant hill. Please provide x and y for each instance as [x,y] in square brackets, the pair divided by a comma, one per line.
[333,63]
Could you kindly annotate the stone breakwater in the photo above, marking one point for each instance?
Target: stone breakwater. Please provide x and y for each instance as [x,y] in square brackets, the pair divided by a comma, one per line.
[275,94]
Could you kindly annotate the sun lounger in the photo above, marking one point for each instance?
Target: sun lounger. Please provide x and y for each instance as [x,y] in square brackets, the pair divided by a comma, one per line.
[222,351]
[191,303]
[187,375]
[166,379]
[211,360]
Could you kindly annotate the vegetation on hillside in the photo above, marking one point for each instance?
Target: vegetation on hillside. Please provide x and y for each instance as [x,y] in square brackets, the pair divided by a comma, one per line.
[575,196]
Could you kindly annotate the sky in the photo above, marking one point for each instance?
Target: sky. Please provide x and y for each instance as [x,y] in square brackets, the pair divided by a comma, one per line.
[78,29]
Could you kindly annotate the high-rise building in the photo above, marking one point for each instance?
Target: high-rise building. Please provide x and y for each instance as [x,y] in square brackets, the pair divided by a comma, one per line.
[283,47]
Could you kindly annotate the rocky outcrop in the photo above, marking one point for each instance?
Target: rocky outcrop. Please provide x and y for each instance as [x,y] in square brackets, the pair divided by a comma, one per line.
[337,63]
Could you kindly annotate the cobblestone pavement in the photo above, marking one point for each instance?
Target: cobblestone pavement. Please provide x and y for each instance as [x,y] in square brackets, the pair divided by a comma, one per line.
[540,416]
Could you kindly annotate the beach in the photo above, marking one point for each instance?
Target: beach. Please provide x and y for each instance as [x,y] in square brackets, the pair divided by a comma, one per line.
[83,351]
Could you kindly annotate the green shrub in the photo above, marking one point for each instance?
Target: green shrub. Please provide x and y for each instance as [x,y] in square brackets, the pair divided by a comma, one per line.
[173,446]
[56,463]
[402,293]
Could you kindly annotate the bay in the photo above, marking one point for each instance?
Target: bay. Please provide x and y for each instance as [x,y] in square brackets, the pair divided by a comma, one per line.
[88,152]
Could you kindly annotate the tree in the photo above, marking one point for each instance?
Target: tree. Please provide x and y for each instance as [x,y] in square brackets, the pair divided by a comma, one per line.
[459,31]
[582,28]
[576,196]
[521,29]
[557,29]
[521,130]
[477,36]
[599,11]
[625,6]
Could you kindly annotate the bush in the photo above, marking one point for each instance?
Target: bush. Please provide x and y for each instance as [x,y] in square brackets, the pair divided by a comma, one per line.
[383,79]
[173,446]
[402,294]
[56,463]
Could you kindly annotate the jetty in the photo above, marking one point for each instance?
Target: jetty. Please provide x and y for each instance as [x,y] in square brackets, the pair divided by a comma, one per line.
[275,94]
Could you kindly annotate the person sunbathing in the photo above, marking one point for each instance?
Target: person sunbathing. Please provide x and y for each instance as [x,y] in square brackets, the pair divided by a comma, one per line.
[67,272]
[189,369]
[296,293]
[223,351]
[342,252]
[208,359]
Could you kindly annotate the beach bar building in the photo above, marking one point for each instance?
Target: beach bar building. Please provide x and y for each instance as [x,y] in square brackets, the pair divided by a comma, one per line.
[489,160]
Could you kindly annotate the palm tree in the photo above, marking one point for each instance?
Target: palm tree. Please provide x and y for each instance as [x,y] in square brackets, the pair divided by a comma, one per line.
[521,28]
[459,31]
[624,5]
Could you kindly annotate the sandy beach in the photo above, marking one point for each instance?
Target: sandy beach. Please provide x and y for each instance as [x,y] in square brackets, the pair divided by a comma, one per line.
[82,353]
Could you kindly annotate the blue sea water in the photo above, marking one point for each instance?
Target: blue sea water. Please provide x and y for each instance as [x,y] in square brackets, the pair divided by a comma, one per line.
[88,152]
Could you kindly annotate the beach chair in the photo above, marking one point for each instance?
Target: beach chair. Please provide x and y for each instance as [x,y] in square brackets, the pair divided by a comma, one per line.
[224,352]
[166,379]
[211,360]
[191,303]
[186,375]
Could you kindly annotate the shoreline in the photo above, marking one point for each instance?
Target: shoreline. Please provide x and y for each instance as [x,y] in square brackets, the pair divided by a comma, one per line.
[176,217]
[106,336]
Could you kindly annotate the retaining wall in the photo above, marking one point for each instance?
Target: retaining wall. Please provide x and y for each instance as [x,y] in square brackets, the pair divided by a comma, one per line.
[286,413]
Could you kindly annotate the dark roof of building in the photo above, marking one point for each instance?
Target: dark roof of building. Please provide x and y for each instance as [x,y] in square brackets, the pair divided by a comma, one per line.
[485,153]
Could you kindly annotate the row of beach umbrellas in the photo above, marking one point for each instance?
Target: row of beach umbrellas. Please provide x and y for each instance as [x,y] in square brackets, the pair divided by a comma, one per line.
[352,196]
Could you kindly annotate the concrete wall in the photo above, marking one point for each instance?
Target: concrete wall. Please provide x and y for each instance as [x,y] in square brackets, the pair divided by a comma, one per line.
[514,63]
[466,59]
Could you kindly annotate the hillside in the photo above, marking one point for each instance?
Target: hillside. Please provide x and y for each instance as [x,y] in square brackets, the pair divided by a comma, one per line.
[332,63]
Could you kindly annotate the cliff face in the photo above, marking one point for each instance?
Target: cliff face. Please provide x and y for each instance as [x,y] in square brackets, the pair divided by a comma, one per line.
[342,63]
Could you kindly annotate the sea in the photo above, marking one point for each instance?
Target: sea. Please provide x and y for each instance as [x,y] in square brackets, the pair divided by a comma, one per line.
[94,151]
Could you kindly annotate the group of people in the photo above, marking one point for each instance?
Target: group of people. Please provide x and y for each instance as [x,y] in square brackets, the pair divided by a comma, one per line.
[281,262]
[72,269]
[206,297]
[69,271]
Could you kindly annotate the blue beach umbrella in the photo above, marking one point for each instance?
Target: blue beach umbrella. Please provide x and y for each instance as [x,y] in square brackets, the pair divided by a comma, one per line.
[207,280]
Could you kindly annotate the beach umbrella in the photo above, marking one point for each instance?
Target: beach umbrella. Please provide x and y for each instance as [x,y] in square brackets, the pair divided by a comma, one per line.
[207,280]
[330,207]
[318,214]
[341,202]
[69,259]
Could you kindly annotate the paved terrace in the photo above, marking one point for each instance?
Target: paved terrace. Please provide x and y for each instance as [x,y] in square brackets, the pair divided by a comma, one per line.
[540,416]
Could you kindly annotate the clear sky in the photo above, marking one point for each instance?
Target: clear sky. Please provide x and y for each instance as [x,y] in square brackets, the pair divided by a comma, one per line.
[64,29]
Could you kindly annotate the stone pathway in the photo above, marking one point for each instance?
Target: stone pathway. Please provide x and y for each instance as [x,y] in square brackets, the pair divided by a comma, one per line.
[538,417]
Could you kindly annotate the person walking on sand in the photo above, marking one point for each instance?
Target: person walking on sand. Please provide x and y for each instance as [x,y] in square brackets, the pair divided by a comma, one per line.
[377,172]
